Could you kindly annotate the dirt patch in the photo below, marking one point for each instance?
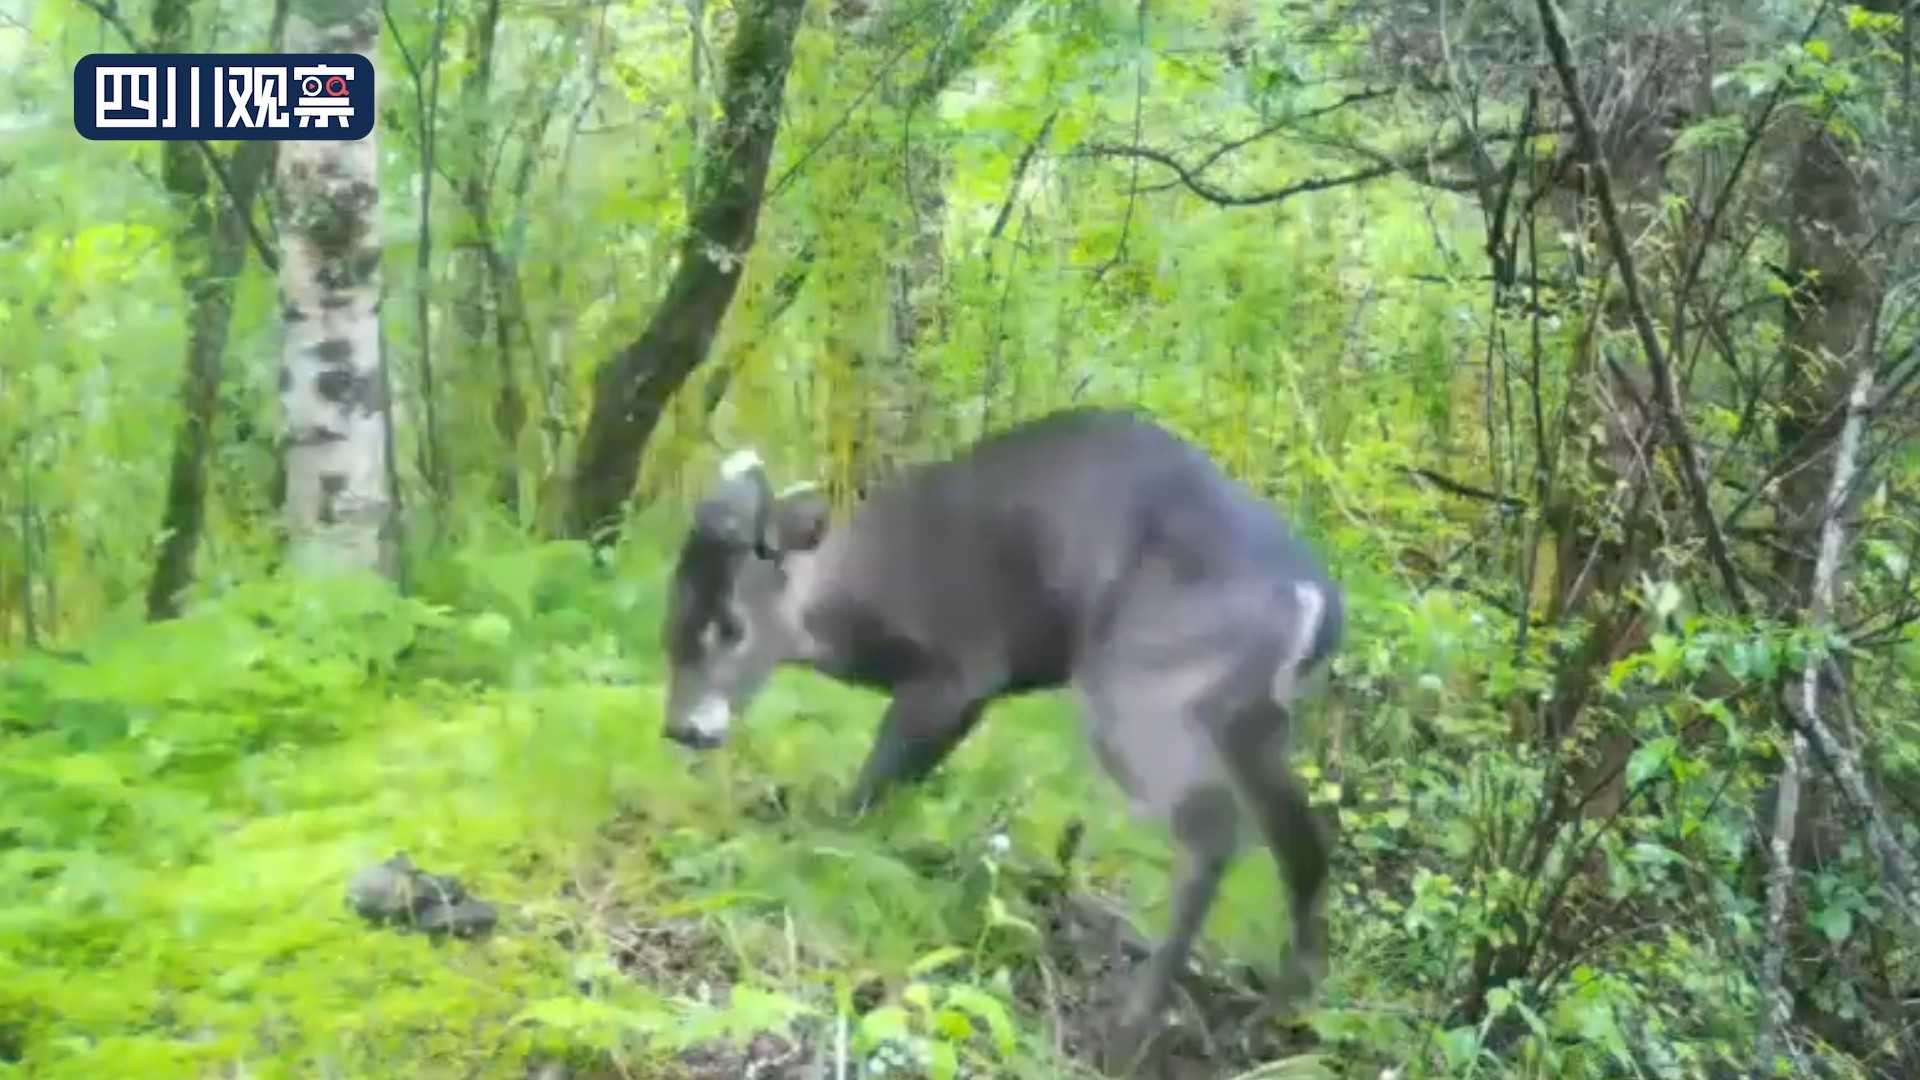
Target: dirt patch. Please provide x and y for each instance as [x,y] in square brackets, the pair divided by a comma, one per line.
[1221,1024]
[680,954]
[1091,948]
[767,1056]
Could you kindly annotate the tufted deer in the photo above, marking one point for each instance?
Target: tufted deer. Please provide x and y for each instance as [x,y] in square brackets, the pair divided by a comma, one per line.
[1090,548]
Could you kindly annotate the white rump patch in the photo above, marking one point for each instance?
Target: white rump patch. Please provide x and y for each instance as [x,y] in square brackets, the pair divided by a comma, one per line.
[740,463]
[711,717]
[1312,607]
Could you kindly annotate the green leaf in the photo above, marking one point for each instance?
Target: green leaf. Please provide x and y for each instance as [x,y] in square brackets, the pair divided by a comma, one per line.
[490,628]
[989,1010]
[1835,922]
[998,916]
[1891,558]
[1652,759]
[943,1060]
[919,995]
[935,960]
[884,1023]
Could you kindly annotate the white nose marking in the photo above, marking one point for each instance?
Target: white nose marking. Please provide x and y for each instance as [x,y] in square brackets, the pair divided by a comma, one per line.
[711,717]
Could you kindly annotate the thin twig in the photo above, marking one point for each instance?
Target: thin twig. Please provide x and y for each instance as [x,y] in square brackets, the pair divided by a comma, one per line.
[1664,392]
[1292,120]
[1020,168]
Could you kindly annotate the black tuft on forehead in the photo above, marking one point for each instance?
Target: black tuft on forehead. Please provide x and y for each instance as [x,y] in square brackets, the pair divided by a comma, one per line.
[702,581]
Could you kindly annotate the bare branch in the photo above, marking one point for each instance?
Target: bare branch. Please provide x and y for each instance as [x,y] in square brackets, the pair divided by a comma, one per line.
[1664,393]
[1417,165]
[1020,167]
[1778,1011]
[1284,123]
[1221,197]
[1463,489]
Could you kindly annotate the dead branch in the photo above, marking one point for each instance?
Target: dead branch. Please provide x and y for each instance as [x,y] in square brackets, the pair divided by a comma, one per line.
[1416,164]
[1778,1011]
[1463,489]
[1222,197]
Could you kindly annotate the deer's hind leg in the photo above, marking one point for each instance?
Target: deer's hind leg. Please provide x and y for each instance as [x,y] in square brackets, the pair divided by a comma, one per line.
[1148,729]
[1255,745]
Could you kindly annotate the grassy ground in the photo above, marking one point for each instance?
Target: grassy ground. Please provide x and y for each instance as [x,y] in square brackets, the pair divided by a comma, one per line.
[181,810]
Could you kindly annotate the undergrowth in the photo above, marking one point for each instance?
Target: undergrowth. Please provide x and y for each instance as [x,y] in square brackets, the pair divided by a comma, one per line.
[182,805]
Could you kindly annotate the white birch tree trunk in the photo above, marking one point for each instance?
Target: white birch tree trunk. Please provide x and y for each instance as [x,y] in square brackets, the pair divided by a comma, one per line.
[339,501]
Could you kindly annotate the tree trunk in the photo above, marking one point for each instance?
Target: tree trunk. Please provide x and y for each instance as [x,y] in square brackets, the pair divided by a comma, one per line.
[209,251]
[483,294]
[632,389]
[339,497]
[426,98]
[220,248]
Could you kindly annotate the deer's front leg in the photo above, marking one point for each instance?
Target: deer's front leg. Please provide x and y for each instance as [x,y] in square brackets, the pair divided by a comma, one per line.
[922,725]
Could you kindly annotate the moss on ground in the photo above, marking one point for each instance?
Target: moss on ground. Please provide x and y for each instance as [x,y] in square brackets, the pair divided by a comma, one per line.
[181,811]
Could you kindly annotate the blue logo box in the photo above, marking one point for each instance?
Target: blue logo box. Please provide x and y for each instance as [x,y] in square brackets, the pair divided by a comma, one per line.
[243,96]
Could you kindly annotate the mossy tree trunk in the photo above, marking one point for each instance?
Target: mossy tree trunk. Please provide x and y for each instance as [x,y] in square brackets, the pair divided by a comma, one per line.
[633,388]
[209,252]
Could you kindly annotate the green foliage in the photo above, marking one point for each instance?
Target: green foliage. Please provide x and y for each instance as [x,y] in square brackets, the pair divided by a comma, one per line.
[182,804]
[186,801]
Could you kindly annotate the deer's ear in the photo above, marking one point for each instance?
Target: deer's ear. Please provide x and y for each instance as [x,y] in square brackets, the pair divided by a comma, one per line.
[735,509]
[800,520]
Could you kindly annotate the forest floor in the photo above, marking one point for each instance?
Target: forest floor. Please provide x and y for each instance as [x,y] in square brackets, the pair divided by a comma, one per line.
[182,809]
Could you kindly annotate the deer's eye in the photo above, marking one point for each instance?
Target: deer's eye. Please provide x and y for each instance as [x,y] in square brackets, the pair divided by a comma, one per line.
[726,630]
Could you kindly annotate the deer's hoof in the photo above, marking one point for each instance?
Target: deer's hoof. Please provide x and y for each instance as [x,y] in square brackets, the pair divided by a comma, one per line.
[1127,1045]
[1299,982]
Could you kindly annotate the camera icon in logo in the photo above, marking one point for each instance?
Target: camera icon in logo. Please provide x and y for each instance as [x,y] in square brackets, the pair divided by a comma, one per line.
[334,86]
[323,95]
